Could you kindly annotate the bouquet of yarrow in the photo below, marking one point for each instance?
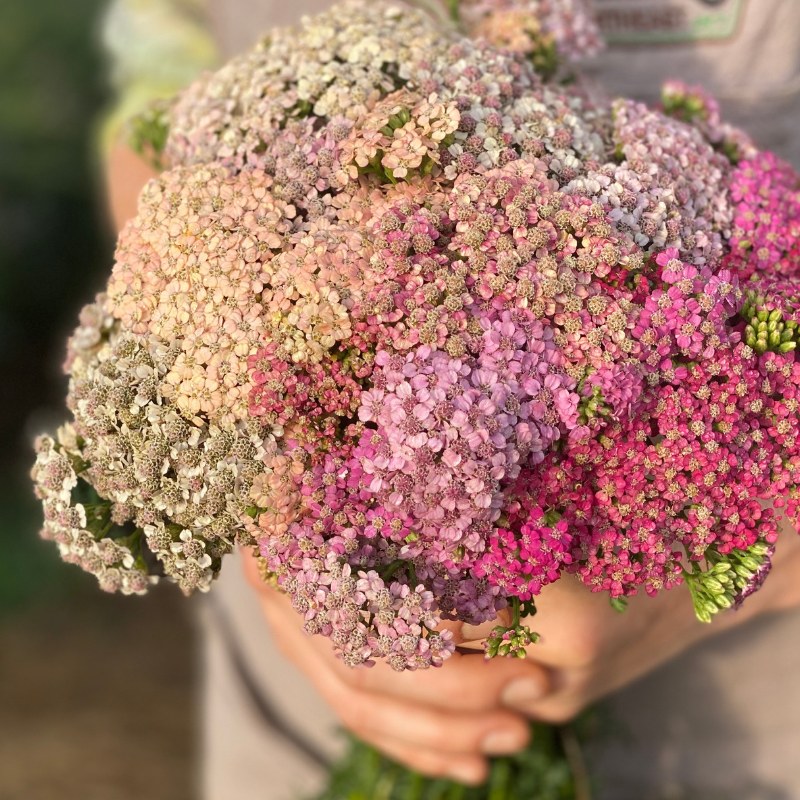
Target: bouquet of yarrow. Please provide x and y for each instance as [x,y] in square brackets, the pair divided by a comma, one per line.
[428,322]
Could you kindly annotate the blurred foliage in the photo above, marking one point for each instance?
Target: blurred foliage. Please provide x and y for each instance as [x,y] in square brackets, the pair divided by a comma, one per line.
[550,768]
[148,132]
[54,252]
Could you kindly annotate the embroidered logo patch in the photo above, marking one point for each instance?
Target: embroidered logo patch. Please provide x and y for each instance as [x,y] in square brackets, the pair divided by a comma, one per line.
[667,21]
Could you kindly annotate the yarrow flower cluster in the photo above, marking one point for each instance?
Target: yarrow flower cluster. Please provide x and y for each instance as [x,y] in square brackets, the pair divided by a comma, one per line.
[546,31]
[429,331]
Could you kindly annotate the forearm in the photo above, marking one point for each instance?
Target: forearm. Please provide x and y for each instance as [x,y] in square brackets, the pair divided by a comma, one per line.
[126,174]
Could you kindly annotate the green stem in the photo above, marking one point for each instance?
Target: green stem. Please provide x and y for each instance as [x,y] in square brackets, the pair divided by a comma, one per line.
[577,763]
[413,787]
[386,784]
[498,780]
[515,622]
[100,526]
[391,569]
[455,791]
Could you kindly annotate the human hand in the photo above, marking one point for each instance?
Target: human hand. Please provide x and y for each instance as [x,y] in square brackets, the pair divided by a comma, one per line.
[441,722]
[592,650]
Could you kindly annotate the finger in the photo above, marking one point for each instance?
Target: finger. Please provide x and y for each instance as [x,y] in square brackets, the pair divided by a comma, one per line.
[466,635]
[486,733]
[573,690]
[466,683]
[471,770]
[492,733]
[475,634]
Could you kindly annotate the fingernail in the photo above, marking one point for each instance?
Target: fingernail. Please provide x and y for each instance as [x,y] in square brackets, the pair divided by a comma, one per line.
[463,773]
[521,692]
[501,743]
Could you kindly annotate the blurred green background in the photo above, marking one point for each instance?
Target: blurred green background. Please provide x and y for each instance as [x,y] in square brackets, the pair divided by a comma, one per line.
[54,248]
[76,667]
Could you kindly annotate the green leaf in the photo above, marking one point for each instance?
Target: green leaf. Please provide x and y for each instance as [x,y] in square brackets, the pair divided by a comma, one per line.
[619,604]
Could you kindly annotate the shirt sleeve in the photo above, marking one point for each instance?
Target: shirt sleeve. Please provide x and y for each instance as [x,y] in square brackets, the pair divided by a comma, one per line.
[155,48]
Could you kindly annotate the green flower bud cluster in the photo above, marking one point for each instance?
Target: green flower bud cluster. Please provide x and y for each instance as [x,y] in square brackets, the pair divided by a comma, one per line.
[376,167]
[593,406]
[769,329]
[402,117]
[544,57]
[510,641]
[384,173]
[550,519]
[725,578]
[513,640]
[687,107]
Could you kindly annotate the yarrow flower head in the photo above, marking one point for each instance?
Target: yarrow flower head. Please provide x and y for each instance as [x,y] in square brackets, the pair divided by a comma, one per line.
[428,328]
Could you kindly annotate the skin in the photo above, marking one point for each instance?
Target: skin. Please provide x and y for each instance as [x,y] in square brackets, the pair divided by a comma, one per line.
[126,174]
[586,651]
[445,722]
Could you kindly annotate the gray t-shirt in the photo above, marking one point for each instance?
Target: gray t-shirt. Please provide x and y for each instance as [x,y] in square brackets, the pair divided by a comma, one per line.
[746,52]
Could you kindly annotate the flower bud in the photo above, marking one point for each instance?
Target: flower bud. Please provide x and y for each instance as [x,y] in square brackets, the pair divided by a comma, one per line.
[743,572]
[711,605]
[724,600]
